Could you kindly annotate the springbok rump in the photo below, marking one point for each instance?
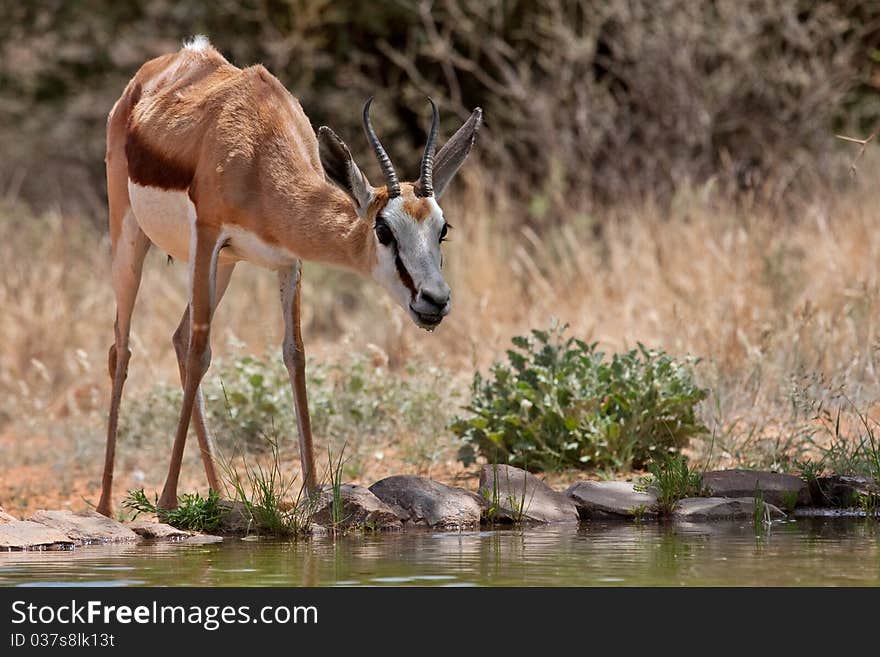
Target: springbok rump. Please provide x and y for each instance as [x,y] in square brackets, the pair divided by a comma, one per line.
[215,164]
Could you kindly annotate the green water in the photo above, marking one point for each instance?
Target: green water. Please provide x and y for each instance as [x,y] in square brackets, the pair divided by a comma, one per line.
[822,552]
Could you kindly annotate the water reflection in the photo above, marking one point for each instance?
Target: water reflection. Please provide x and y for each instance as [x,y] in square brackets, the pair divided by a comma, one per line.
[833,551]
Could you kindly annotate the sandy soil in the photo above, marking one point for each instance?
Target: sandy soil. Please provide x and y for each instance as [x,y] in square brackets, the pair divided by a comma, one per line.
[38,473]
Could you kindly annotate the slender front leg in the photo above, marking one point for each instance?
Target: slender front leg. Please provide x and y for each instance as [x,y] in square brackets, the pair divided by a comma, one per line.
[127,264]
[204,253]
[181,345]
[295,360]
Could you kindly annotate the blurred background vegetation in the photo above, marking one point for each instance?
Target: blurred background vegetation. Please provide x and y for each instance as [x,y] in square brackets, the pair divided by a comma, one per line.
[586,101]
[663,172]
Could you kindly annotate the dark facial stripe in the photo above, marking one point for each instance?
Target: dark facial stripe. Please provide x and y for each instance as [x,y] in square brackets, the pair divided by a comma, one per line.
[405,278]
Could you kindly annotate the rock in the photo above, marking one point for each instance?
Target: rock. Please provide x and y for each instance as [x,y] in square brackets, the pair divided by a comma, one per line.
[516,495]
[826,512]
[361,509]
[611,499]
[782,490]
[86,526]
[23,535]
[236,520]
[317,531]
[842,490]
[201,539]
[422,501]
[719,508]
[5,517]
[156,530]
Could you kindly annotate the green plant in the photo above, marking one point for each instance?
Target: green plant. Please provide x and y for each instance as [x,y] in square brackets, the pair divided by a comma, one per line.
[673,480]
[193,511]
[559,403]
[811,470]
[253,393]
[789,500]
[265,493]
[493,498]
[516,504]
[334,474]
[870,504]
[760,511]
[350,400]
[854,454]
[639,512]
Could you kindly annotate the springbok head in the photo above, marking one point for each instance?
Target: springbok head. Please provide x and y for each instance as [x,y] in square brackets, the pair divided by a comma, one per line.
[408,224]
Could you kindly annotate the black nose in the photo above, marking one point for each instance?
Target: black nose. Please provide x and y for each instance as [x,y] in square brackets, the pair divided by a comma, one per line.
[436,296]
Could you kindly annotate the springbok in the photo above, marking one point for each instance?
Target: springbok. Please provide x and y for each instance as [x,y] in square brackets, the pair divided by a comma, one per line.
[215,164]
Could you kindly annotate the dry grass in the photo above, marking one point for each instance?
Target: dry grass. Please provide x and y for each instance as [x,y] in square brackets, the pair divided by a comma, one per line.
[781,310]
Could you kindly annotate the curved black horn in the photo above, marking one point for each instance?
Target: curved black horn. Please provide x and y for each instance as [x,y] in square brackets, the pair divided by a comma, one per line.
[390,176]
[426,175]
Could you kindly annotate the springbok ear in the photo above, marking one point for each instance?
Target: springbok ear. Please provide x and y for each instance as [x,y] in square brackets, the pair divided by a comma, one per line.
[341,170]
[454,152]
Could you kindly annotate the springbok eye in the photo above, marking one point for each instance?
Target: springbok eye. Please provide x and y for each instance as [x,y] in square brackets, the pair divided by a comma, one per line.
[384,234]
[443,232]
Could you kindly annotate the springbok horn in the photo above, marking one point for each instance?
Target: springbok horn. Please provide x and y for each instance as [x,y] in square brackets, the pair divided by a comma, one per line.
[391,181]
[426,176]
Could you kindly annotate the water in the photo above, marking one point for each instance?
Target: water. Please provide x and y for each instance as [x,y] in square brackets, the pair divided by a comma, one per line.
[818,552]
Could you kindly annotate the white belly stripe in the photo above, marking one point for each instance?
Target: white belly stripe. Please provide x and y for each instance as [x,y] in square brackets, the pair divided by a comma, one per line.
[167,218]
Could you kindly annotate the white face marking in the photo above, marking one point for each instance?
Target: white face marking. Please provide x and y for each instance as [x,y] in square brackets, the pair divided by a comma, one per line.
[417,245]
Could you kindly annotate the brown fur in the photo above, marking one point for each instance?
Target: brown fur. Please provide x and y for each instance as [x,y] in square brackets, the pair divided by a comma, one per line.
[149,167]
[417,208]
[245,150]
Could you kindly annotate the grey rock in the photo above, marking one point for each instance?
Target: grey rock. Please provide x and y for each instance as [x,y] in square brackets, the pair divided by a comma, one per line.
[361,509]
[5,517]
[236,519]
[778,489]
[86,526]
[516,495]
[317,531]
[719,508]
[826,512]
[610,499]
[422,501]
[24,535]
[156,530]
[201,539]
[842,490]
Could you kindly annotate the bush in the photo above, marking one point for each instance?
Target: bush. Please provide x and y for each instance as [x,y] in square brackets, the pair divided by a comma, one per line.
[194,512]
[559,403]
[249,405]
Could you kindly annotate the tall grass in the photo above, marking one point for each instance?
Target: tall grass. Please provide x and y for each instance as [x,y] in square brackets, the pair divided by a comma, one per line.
[781,310]
[273,503]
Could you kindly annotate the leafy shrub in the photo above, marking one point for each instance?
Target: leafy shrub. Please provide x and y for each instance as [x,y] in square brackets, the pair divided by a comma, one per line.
[249,405]
[559,403]
[249,398]
[194,512]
